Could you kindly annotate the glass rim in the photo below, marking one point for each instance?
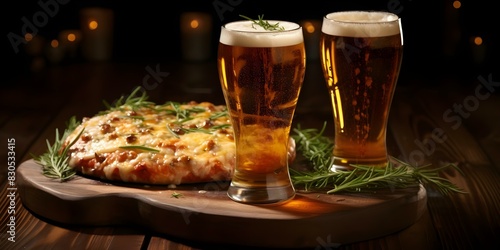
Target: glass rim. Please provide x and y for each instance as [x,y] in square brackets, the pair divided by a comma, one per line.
[397,19]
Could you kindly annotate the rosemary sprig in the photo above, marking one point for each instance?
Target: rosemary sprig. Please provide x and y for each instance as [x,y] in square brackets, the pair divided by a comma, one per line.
[182,115]
[176,195]
[317,149]
[264,23]
[54,161]
[219,114]
[140,147]
[133,100]
[314,146]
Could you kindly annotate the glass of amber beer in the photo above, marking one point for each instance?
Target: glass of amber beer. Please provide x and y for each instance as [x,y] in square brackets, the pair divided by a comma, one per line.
[261,73]
[361,54]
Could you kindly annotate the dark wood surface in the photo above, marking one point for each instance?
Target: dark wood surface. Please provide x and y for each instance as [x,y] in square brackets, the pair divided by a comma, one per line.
[438,122]
[205,213]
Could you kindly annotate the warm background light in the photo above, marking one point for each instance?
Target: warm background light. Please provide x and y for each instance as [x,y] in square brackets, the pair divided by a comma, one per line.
[93,25]
[97,33]
[71,37]
[28,37]
[457,4]
[478,40]
[194,24]
[196,32]
[312,30]
[54,43]
[309,27]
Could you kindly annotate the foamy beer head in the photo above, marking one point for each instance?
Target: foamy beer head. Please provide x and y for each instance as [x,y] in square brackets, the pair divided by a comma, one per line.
[361,24]
[249,34]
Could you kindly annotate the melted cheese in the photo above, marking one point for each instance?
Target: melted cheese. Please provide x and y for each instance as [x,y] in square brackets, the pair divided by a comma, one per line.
[181,150]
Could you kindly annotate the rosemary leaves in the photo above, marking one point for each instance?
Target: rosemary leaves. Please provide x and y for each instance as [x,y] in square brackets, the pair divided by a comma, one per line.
[317,149]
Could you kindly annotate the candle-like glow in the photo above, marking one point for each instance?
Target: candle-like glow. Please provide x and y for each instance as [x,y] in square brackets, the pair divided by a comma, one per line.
[55,52]
[69,42]
[28,37]
[312,30]
[93,25]
[71,37]
[194,24]
[54,43]
[457,4]
[34,44]
[478,49]
[309,27]
[478,40]
[97,33]
[196,30]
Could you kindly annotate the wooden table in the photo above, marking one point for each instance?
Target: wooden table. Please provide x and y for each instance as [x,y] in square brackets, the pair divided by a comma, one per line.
[429,123]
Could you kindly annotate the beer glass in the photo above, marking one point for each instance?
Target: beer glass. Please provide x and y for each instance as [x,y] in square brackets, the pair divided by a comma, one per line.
[261,73]
[361,54]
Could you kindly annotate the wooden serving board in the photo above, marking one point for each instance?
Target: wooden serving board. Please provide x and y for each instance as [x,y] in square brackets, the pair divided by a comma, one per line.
[203,213]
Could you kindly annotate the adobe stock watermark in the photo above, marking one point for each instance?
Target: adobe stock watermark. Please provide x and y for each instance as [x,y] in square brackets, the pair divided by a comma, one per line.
[222,6]
[153,78]
[11,189]
[395,6]
[454,116]
[209,191]
[327,243]
[40,19]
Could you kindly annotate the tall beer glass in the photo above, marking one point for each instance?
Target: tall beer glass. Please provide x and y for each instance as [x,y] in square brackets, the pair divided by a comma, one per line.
[361,54]
[261,74]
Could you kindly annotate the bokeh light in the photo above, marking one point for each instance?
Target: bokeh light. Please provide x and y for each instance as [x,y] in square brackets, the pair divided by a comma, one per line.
[194,24]
[309,27]
[93,25]
[54,43]
[71,37]
[478,40]
[28,37]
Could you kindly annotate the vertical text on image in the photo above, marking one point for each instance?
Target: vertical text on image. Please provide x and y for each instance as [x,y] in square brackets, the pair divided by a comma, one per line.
[11,188]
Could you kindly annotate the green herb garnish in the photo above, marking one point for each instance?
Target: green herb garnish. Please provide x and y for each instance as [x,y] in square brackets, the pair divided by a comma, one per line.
[176,195]
[317,150]
[182,115]
[133,101]
[54,162]
[139,147]
[264,23]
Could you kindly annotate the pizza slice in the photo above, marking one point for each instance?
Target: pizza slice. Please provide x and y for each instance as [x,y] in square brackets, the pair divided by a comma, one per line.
[172,143]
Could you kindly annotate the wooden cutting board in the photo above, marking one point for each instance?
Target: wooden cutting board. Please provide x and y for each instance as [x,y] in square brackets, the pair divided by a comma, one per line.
[203,213]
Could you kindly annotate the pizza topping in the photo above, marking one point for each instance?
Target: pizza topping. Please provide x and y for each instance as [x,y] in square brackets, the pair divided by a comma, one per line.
[106,128]
[131,139]
[86,137]
[99,158]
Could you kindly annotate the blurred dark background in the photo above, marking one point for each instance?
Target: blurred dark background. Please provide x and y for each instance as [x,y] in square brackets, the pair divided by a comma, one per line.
[439,35]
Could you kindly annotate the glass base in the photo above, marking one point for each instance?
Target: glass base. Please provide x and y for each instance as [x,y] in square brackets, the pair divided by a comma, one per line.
[345,164]
[261,195]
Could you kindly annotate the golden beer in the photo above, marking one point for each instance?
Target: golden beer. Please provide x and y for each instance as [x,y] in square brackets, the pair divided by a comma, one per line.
[361,55]
[261,74]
